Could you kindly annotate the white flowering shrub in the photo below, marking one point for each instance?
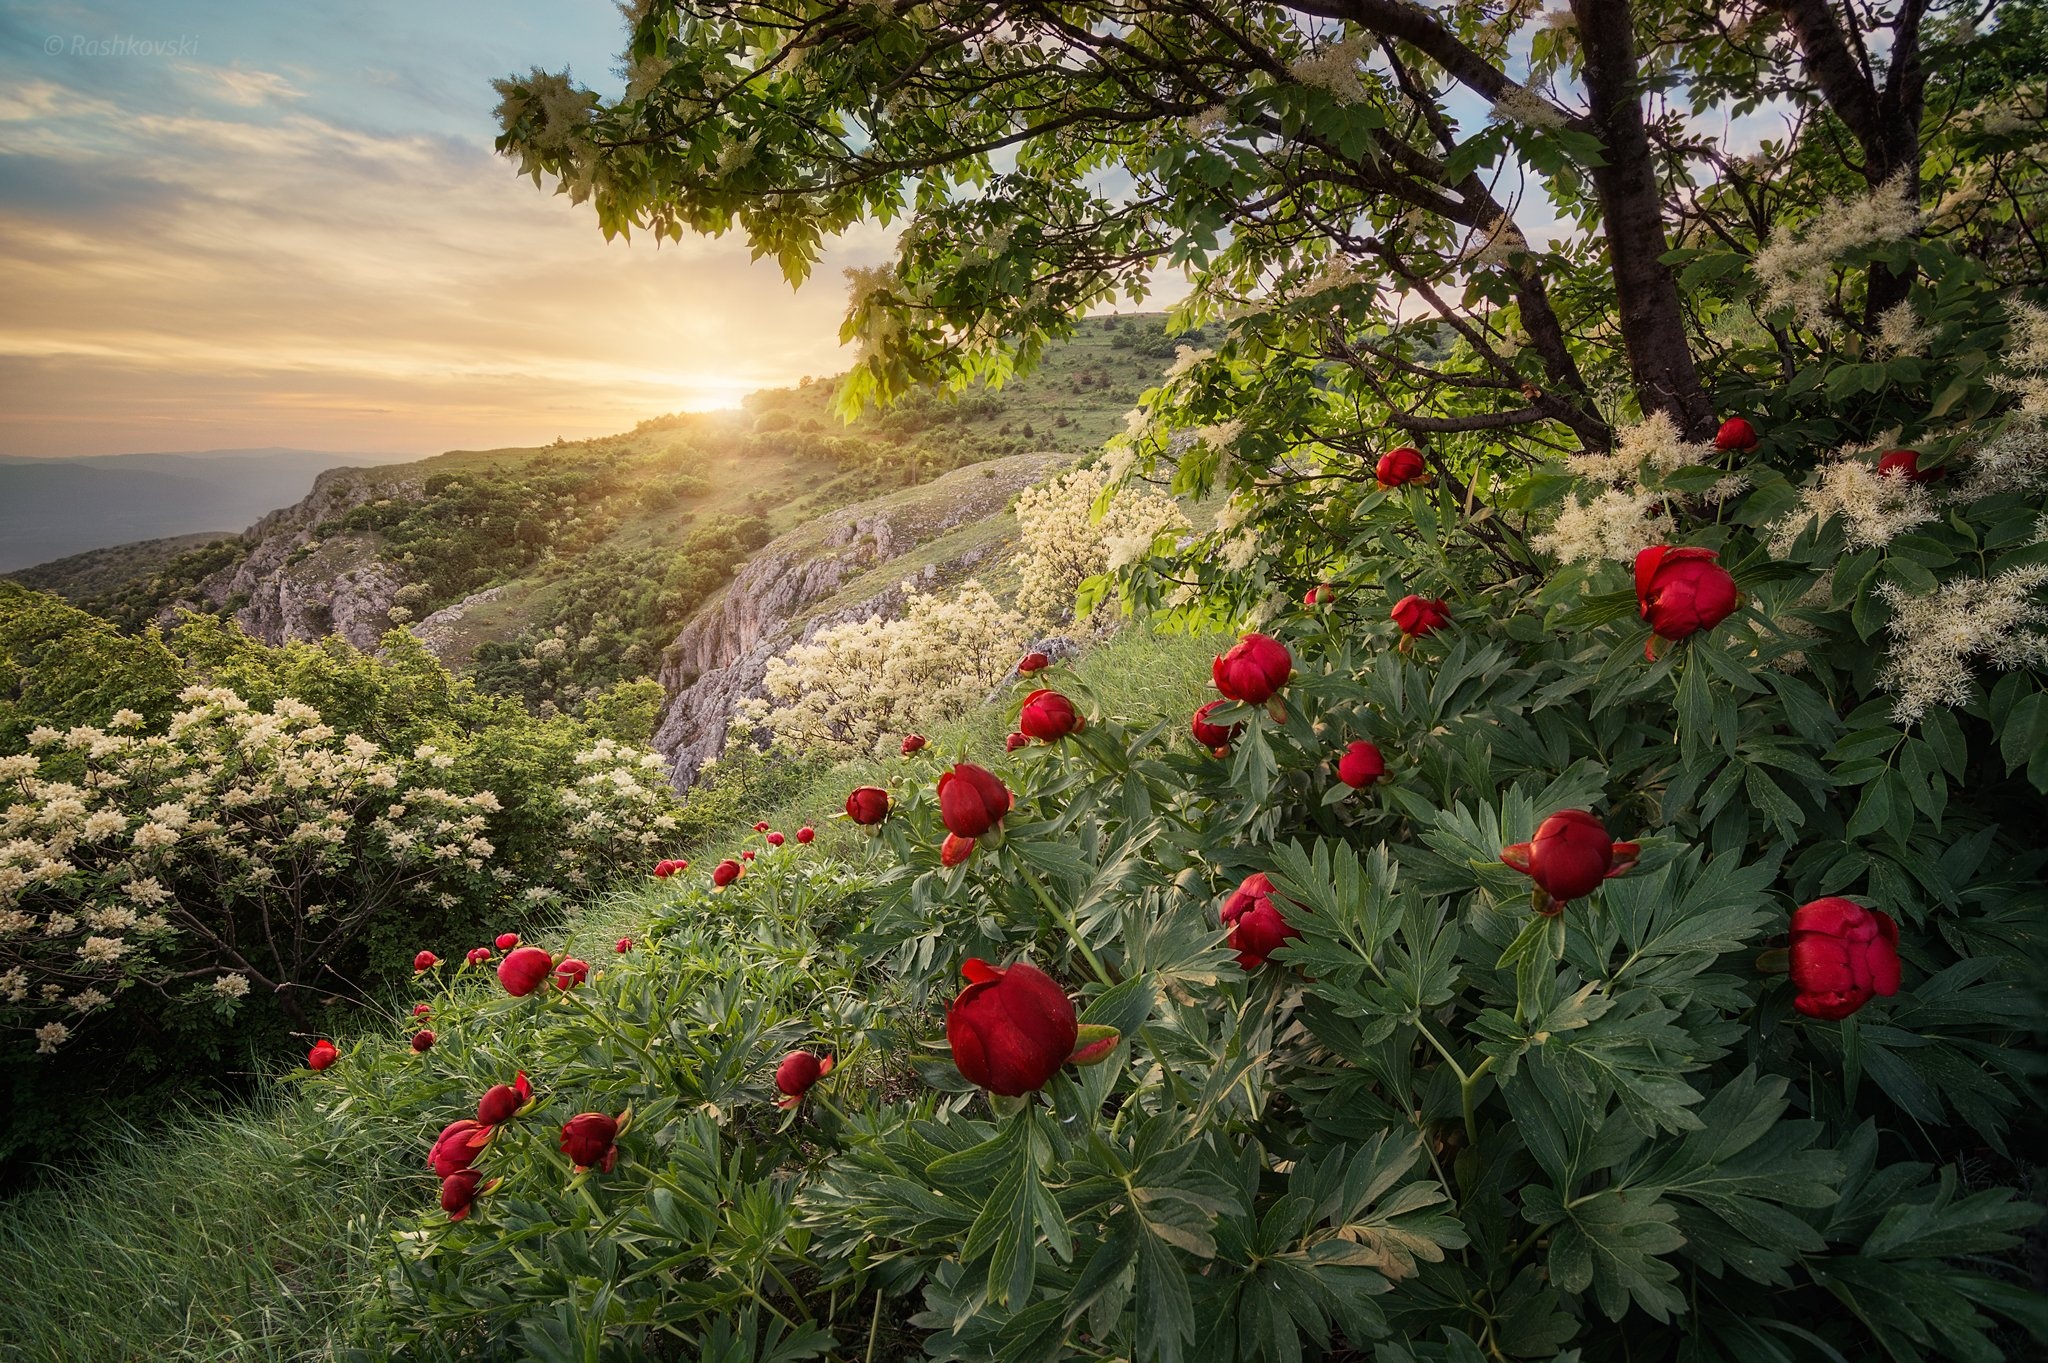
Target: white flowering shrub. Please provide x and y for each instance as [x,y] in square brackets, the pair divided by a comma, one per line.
[858,687]
[1080,525]
[157,880]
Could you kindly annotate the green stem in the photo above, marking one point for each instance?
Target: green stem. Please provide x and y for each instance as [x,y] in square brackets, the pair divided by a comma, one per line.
[1059,916]
[1466,1088]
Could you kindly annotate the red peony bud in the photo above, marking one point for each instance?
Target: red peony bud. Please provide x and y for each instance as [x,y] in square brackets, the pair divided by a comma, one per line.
[747,855]
[1842,956]
[1010,1029]
[1257,927]
[501,1101]
[1397,468]
[1014,742]
[1215,737]
[806,833]
[570,973]
[523,970]
[972,800]
[1032,662]
[420,1010]
[1682,590]
[1049,717]
[1317,596]
[1420,615]
[322,1055]
[423,1041]
[478,955]
[457,1147]
[1736,436]
[507,940]
[426,960]
[665,868]
[458,1193]
[625,945]
[796,1074]
[955,850]
[1361,765]
[868,805]
[725,873]
[911,743]
[1569,857]
[590,1140]
[1255,667]
[761,827]
[775,840]
[1906,464]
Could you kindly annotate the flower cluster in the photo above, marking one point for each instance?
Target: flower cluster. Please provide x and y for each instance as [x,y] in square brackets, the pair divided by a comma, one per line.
[1062,541]
[1794,269]
[1966,620]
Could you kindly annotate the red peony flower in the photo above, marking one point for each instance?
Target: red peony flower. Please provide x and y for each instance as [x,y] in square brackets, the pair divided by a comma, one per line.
[1257,927]
[478,955]
[322,1055]
[972,800]
[458,1193]
[1361,765]
[590,1140]
[955,850]
[669,866]
[1014,742]
[522,971]
[805,834]
[1843,955]
[1420,615]
[507,940]
[747,855]
[775,840]
[868,805]
[457,1147]
[1010,1028]
[761,827]
[1049,717]
[1682,590]
[570,973]
[1906,464]
[1255,667]
[423,1041]
[1736,436]
[1317,596]
[911,743]
[725,873]
[1032,662]
[1399,467]
[502,1101]
[625,945]
[1215,737]
[426,960]
[796,1074]
[420,1010]
[1569,857]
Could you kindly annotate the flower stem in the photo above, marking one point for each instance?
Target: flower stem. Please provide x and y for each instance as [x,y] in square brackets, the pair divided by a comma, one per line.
[1059,916]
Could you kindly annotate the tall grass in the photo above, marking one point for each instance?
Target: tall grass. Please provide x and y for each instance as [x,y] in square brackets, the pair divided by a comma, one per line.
[241,1234]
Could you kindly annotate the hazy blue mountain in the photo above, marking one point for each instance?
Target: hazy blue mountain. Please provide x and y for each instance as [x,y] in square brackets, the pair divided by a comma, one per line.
[50,508]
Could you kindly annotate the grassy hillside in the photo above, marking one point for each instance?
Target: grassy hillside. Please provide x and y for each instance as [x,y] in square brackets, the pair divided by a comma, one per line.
[250,1234]
[98,572]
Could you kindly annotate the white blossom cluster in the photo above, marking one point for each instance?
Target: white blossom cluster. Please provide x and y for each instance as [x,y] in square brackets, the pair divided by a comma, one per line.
[1617,524]
[859,686]
[1939,636]
[1873,507]
[1063,542]
[1630,512]
[1334,70]
[2026,362]
[1795,269]
[125,856]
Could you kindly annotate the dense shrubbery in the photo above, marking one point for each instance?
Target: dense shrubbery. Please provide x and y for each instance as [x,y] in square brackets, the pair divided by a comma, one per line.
[248,834]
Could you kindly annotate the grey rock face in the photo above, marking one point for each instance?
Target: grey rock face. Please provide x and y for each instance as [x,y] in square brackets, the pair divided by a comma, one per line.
[437,631]
[722,655]
[337,587]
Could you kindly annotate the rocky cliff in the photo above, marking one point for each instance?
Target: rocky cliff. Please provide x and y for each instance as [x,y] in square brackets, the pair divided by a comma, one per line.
[295,585]
[823,574]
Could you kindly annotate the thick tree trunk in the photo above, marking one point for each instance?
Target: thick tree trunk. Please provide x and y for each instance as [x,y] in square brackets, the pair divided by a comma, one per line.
[1652,318]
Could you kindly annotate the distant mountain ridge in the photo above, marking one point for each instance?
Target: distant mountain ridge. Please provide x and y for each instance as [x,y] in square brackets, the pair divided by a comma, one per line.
[56,508]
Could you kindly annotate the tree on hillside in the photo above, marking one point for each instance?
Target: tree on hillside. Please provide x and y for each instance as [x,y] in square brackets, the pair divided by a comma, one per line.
[1048,158]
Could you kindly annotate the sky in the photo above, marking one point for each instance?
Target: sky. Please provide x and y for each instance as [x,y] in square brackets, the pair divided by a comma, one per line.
[239,223]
